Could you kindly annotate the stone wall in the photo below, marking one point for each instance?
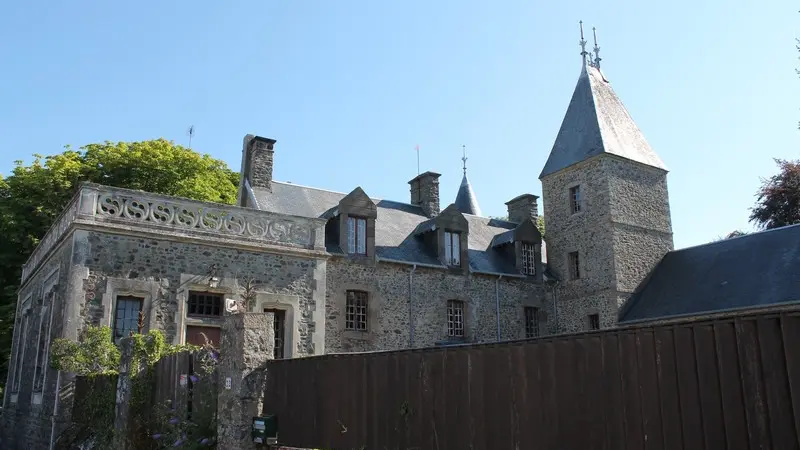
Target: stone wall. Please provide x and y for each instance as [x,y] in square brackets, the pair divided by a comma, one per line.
[164,271]
[389,324]
[27,416]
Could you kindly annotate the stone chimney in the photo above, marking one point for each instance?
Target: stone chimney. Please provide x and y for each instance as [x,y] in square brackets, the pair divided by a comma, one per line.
[258,161]
[425,192]
[523,207]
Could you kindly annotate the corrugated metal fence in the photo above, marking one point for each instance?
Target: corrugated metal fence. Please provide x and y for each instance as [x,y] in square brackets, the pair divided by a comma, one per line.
[732,383]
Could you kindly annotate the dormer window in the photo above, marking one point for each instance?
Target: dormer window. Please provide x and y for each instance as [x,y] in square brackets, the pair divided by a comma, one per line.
[452,248]
[575,199]
[528,259]
[356,235]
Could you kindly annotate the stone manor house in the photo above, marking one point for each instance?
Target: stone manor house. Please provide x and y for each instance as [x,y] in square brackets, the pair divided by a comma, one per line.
[349,272]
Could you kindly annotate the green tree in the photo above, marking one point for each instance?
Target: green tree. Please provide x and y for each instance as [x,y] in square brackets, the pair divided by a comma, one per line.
[33,196]
[778,199]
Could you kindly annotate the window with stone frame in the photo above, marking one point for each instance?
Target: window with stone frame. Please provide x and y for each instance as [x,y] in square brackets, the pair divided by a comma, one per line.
[575,199]
[594,321]
[41,350]
[574,266]
[356,308]
[126,317]
[528,259]
[452,248]
[455,318]
[204,304]
[531,322]
[357,236]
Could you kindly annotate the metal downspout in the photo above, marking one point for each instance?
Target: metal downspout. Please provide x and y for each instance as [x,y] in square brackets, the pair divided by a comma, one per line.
[411,306]
[555,306]
[497,303]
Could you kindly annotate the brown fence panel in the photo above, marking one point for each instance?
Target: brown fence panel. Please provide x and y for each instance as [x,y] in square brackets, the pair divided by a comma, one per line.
[728,383]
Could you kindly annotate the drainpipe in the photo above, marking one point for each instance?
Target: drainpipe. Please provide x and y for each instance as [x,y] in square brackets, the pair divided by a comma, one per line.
[555,306]
[411,306]
[55,412]
[497,303]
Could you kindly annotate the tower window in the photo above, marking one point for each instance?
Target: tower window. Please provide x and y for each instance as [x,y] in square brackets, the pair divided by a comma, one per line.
[574,266]
[575,199]
[594,321]
[528,259]
[531,322]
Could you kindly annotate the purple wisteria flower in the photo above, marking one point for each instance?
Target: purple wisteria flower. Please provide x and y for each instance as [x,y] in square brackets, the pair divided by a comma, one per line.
[178,443]
[157,436]
[193,378]
[205,441]
[174,420]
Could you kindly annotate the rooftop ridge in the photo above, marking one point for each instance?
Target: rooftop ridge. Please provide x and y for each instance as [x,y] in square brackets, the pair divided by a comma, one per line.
[746,235]
[374,199]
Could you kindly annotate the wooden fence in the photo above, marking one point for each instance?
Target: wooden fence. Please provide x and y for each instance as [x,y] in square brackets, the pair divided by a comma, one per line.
[729,383]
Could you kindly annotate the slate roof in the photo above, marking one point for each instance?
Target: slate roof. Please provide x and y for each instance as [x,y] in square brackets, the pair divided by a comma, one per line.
[466,202]
[395,226]
[753,270]
[597,122]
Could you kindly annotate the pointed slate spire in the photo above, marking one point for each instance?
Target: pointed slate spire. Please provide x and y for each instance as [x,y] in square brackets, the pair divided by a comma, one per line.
[465,199]
[597,122]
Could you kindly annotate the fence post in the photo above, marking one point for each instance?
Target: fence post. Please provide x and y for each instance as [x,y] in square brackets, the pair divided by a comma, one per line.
[127,368]
[248,341]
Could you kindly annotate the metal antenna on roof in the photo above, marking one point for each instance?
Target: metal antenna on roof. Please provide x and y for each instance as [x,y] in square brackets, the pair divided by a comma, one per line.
[464,158]
[596,50]
[583,44]
[190,132]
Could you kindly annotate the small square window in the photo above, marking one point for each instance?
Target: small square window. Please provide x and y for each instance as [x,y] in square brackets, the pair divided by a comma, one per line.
[594,321]
[455,318]
[574,266]
[357,236]
[531,322]
[207,304]
[575,199]
[528,259]
[355,317]
[452,248]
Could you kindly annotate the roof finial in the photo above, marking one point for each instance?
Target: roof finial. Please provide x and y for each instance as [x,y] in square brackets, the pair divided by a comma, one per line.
[464,158]
[583,45]
[596,50]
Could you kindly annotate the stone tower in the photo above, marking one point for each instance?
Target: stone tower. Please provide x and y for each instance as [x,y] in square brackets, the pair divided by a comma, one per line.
[606,205]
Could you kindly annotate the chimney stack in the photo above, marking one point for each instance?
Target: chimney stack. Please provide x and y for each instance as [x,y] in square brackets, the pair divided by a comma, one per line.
[425,192]
[523,207]
[258,161]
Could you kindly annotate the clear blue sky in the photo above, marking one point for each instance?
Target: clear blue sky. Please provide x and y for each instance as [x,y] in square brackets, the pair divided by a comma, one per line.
[348,88]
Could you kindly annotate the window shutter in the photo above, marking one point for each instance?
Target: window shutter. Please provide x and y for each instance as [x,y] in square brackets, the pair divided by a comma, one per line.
[362,236]
[448,249]
[456,248]
[351,235]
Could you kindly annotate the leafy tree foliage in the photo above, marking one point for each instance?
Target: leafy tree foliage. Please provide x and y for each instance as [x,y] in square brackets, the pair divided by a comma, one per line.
[778,199]
[33,196]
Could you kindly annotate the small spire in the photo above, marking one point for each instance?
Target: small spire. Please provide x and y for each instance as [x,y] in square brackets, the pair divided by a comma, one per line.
[583,45]
[464,158]
[596,50]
